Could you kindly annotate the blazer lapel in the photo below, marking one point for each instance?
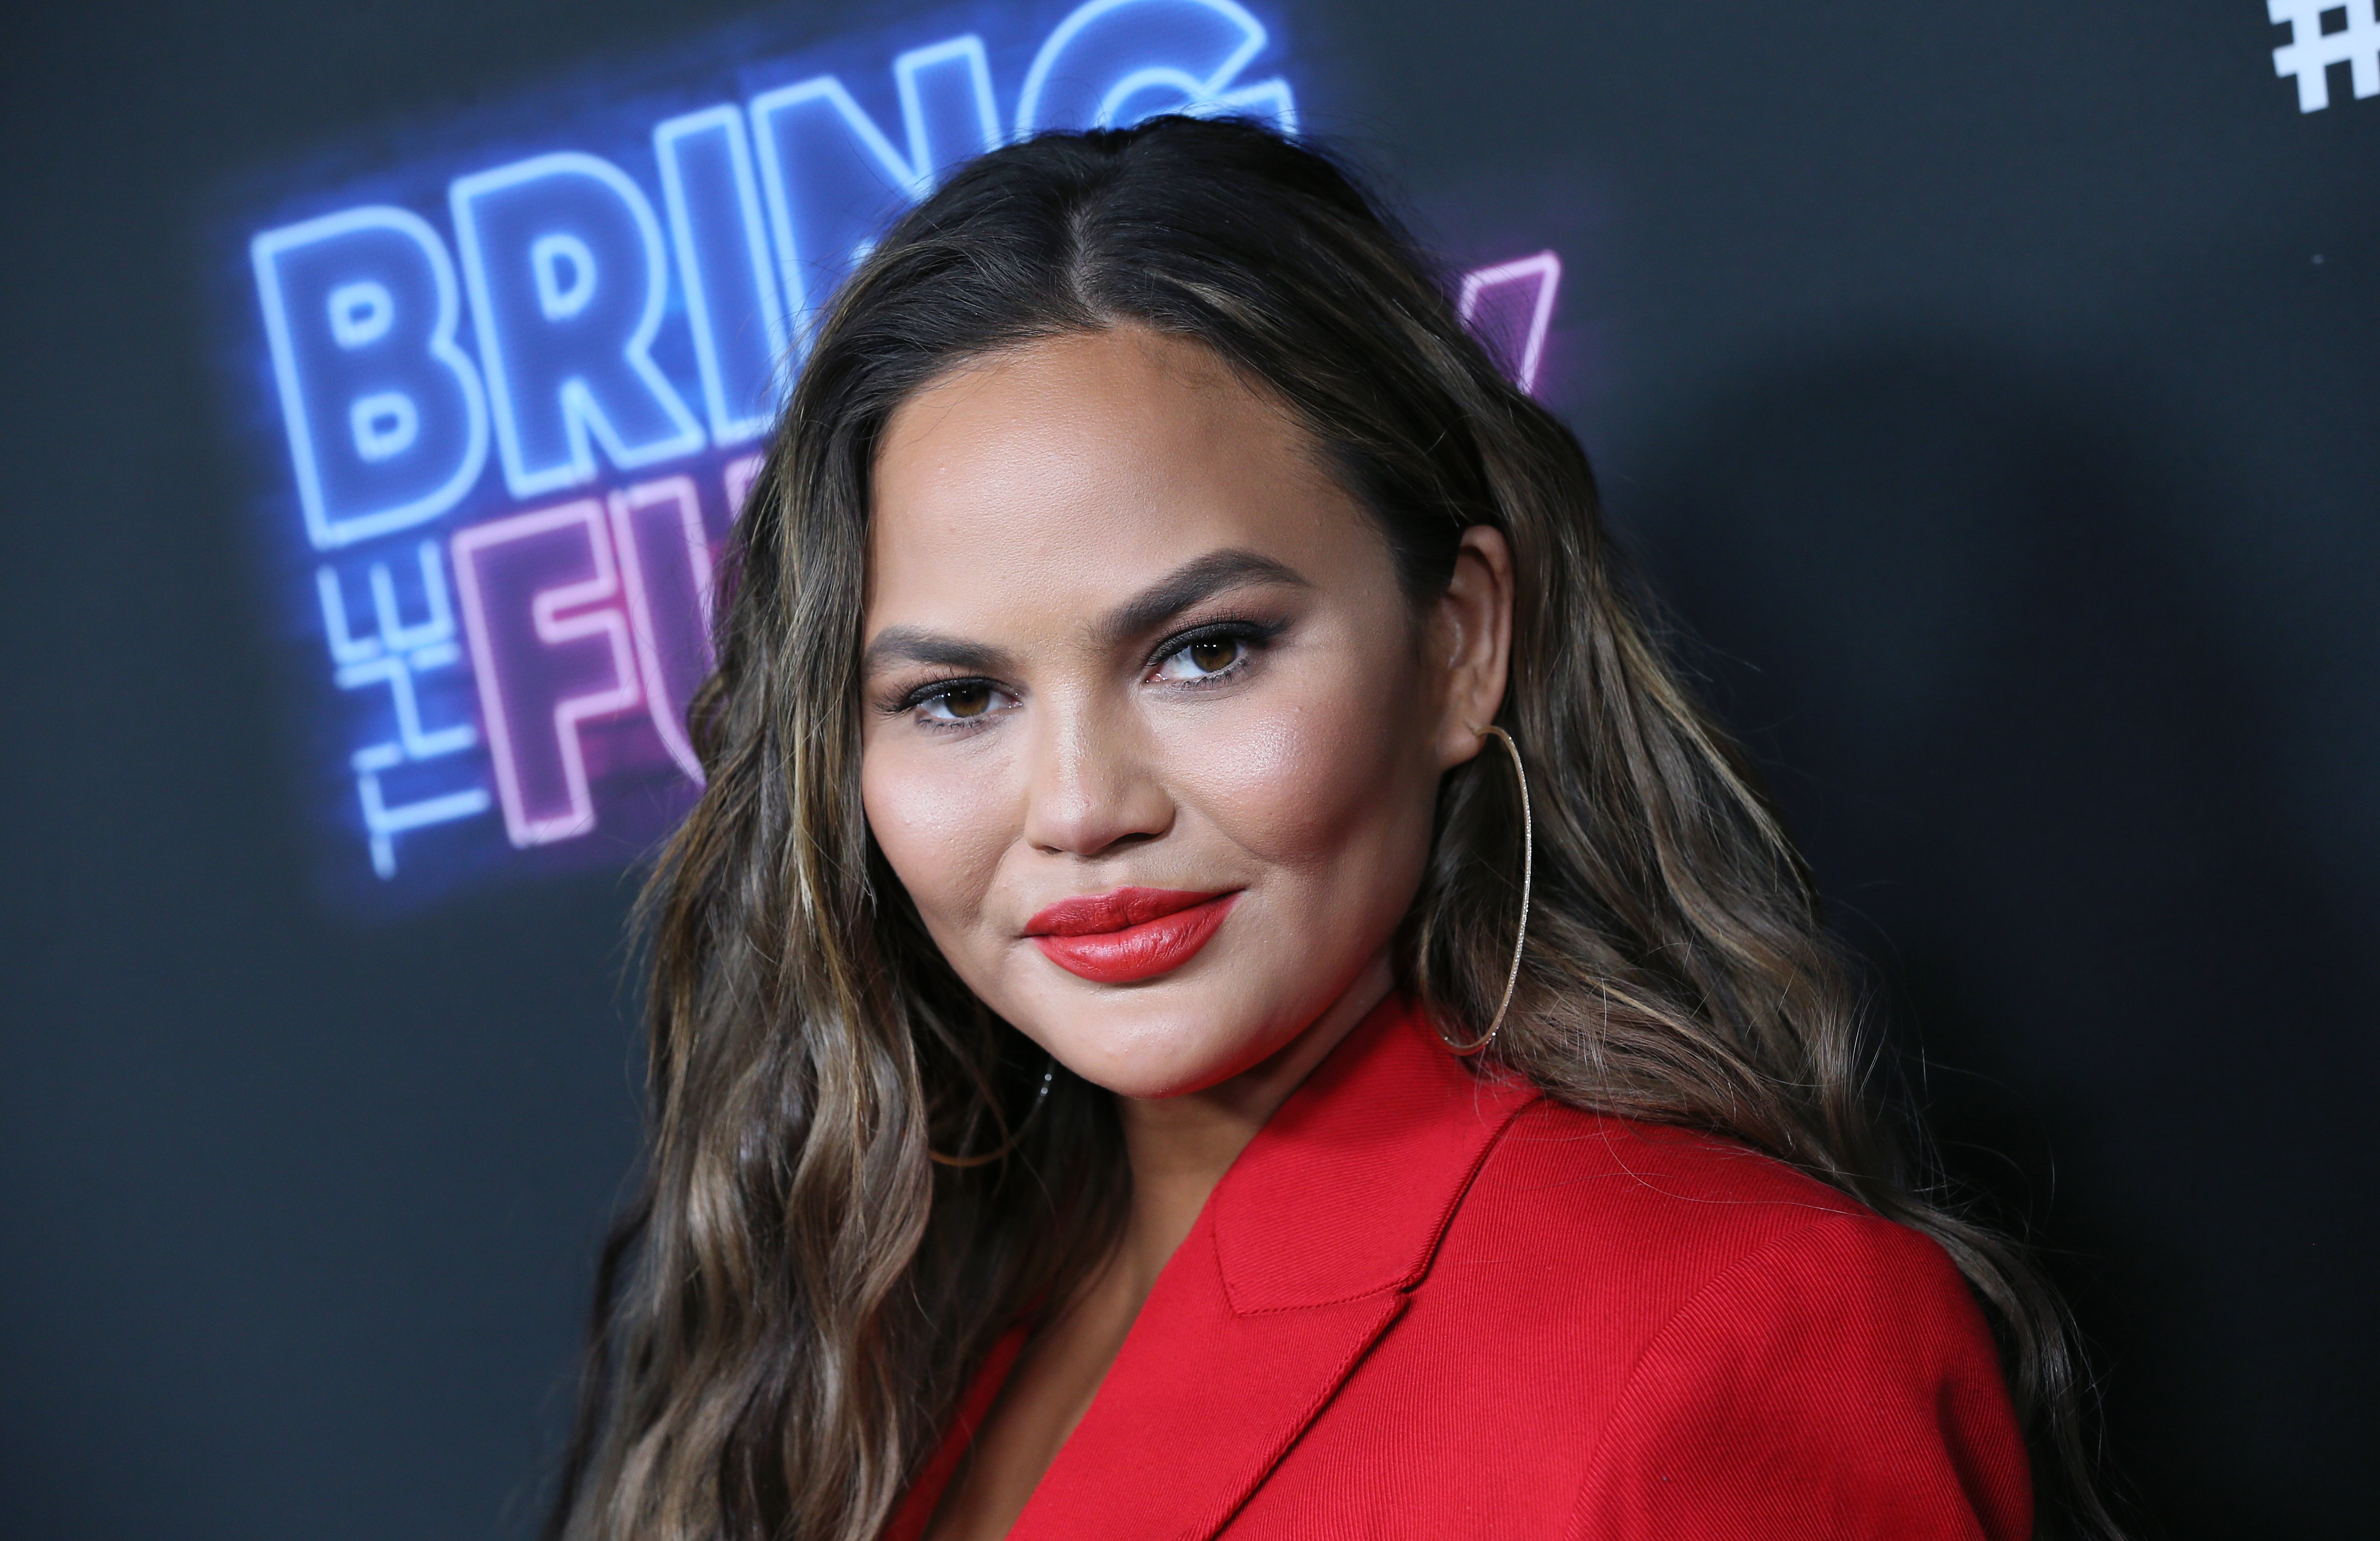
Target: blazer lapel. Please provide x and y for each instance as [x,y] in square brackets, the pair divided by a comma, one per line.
[1305,1256]
[1196,1409]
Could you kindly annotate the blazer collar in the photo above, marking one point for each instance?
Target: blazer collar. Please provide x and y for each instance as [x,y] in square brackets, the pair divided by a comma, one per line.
[1303,1258]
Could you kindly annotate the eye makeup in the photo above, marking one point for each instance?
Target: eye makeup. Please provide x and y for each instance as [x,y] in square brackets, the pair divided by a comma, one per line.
[1247,637]
[967,701]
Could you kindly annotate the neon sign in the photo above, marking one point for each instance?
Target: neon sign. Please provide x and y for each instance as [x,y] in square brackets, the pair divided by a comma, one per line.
[518,395]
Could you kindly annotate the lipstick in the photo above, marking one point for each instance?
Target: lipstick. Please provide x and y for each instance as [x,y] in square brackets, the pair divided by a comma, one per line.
[1130,934]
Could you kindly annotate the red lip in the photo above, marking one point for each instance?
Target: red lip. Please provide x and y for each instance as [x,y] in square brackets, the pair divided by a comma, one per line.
[1131,933]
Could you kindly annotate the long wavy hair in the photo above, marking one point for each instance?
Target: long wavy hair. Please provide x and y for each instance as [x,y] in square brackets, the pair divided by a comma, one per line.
[790,1309]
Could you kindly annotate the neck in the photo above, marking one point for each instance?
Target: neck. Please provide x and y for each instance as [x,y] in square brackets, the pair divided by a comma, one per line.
[1180,1147]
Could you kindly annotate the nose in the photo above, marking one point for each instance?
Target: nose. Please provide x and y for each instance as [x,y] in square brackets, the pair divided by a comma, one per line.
[1091,789]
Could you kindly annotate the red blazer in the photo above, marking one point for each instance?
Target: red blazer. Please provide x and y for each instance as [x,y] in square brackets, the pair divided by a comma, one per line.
[1422,1304]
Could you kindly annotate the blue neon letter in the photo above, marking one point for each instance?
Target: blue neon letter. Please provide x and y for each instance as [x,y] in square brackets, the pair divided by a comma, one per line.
[1111,63]
[387,425]
[946,104]
[723,261]
[564,260]
[834,181]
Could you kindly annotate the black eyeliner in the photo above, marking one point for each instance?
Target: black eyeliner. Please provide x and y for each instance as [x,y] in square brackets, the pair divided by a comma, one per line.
[910,700]
[1235,628]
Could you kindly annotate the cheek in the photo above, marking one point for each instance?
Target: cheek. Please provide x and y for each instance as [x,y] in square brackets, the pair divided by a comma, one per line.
[1333,779]
[940,820]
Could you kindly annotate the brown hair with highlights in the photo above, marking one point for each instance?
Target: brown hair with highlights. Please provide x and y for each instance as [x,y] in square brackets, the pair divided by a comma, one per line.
[794,1301]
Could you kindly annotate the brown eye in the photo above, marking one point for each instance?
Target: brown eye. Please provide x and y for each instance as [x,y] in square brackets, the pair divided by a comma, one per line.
[1203,659]
[967,701]
[1215,655]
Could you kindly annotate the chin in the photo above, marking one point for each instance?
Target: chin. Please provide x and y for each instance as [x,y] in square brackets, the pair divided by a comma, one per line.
[1167,1043]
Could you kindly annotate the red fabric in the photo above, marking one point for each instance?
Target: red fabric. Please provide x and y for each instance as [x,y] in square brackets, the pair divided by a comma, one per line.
[1422,1304]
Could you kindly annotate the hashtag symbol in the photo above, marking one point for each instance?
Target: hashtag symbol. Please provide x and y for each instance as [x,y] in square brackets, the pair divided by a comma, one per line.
[2311,51]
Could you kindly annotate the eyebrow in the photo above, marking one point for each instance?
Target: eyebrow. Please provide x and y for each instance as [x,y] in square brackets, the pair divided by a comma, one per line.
[1191,583]
[896,645]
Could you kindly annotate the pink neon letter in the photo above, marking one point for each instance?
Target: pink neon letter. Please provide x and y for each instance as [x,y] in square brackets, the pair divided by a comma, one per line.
[739,477]
[665,560]
[542,673]
[1509,307]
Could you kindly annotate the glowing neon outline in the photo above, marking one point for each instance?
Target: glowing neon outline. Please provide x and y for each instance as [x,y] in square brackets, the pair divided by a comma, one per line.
[767,104]
[325,532]
[552,301]
[1189,85]
[345,646]
[580,415]
[619,564]
[393,635]
[624,505]
[905,69]
[345,331]
[1545,267]
[736,479]
[1252,39]
[373,447]
[724,429]
[427,646]
[420,742]
[383,823]
[552,628]
[1271,99]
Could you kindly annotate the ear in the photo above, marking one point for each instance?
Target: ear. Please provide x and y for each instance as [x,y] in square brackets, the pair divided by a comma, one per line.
[1473,624]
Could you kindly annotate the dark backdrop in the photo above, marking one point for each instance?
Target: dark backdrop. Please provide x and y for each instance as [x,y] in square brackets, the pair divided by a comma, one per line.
[1990,387]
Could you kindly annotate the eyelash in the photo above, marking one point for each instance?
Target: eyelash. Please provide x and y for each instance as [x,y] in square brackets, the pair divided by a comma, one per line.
[1252,636]
[916,701]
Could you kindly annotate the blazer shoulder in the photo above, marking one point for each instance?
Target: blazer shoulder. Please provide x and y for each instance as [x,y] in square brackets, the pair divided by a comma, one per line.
[1670,1209]
[1846,1370]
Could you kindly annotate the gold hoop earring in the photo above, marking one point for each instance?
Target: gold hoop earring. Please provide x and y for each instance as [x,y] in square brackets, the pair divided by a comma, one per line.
[966,1163]
[1528,871]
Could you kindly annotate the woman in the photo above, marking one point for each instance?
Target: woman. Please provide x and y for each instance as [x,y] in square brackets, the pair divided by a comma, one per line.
[1220,983]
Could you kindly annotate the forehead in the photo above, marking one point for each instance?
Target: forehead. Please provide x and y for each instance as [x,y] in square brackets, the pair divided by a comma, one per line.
[1060,476]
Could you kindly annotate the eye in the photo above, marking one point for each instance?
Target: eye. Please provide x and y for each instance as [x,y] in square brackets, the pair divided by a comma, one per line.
[963,701]
[1203,659]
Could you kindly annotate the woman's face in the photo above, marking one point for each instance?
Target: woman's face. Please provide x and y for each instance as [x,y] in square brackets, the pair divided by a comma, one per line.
[1152,737]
